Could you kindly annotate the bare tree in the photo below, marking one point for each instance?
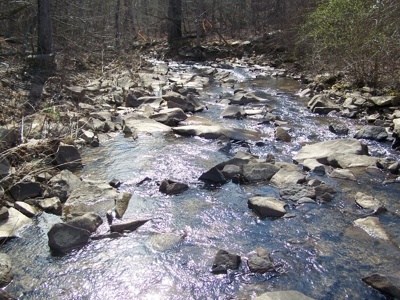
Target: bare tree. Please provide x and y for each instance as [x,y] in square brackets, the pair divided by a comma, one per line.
[45,40]
[174,20]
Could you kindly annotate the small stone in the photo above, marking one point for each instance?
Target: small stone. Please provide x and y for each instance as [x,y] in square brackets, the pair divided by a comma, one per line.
[51,205]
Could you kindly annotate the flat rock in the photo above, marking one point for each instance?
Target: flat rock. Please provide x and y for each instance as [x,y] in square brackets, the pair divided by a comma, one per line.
[259,171]
[322,104]
[230,171]
[295,192]
[344,174]
[373,227]
[383,284]
[5,270]
[127,226]
[214,132]
[170,116]
[225,261]
[351,160]
[139,123]
[368,202]
[322,150]
[233,112]
[27,209]
[89,221]
[25,190]
[64,237]
[385,100]
[9,228]
[285,295]
[314,166]
[267,206]
[284,177]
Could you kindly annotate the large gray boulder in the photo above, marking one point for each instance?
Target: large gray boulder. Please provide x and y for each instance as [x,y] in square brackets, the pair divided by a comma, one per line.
[64,237]
[62,185]
[170,116]
[254,172]
[267,207]
[322,150]
[372,133]
[5,270]
[322,104]
[340,160]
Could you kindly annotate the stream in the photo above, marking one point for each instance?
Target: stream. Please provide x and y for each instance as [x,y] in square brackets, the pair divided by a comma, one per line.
[318,251]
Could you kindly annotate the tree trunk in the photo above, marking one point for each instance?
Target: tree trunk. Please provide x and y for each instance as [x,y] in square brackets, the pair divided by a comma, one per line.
[44,27]
[174,20]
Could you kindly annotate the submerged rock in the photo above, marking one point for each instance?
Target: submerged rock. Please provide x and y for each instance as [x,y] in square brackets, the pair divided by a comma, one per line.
[267,206]
[322,150]
[285,295]
[373,227]
[225,261]
[165,241]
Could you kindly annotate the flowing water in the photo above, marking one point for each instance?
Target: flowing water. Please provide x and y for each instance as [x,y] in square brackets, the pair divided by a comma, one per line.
[318,252]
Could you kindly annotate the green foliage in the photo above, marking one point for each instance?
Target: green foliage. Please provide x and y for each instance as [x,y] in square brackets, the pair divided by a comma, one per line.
[360,35]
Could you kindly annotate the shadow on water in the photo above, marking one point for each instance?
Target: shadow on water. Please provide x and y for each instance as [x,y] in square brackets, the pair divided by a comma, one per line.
[318,251]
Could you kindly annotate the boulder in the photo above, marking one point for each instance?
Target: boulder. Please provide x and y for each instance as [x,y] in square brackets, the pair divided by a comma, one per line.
[282,135]
[322,150]
[138,123]
[64,237]
[170,116]
[127,226]
[284,177]
[259,171]
[383,284]
[172,187]
[338,129]
[295,192]
[88,221]
[225,261]
[5,270]
[25,190]
[260,262]
[68,158]
[27,209]
[154,102]
[371,132]
[267,207]
[351,160]
[285,295]
[187,104]
[213,175]
[314,166]
[321,104]
[369,202]
[51,205]
[121,204]
[385,100]
[91,197]
[233,112]
[243,98]
[62,185]
[9,228]
[373,227]
[344,174]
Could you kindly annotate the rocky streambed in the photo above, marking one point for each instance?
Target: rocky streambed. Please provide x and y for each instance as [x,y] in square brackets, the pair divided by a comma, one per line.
[210,181]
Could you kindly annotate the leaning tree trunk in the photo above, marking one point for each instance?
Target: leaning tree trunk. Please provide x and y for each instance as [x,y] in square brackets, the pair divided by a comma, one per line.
[44,27]
[174,20]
